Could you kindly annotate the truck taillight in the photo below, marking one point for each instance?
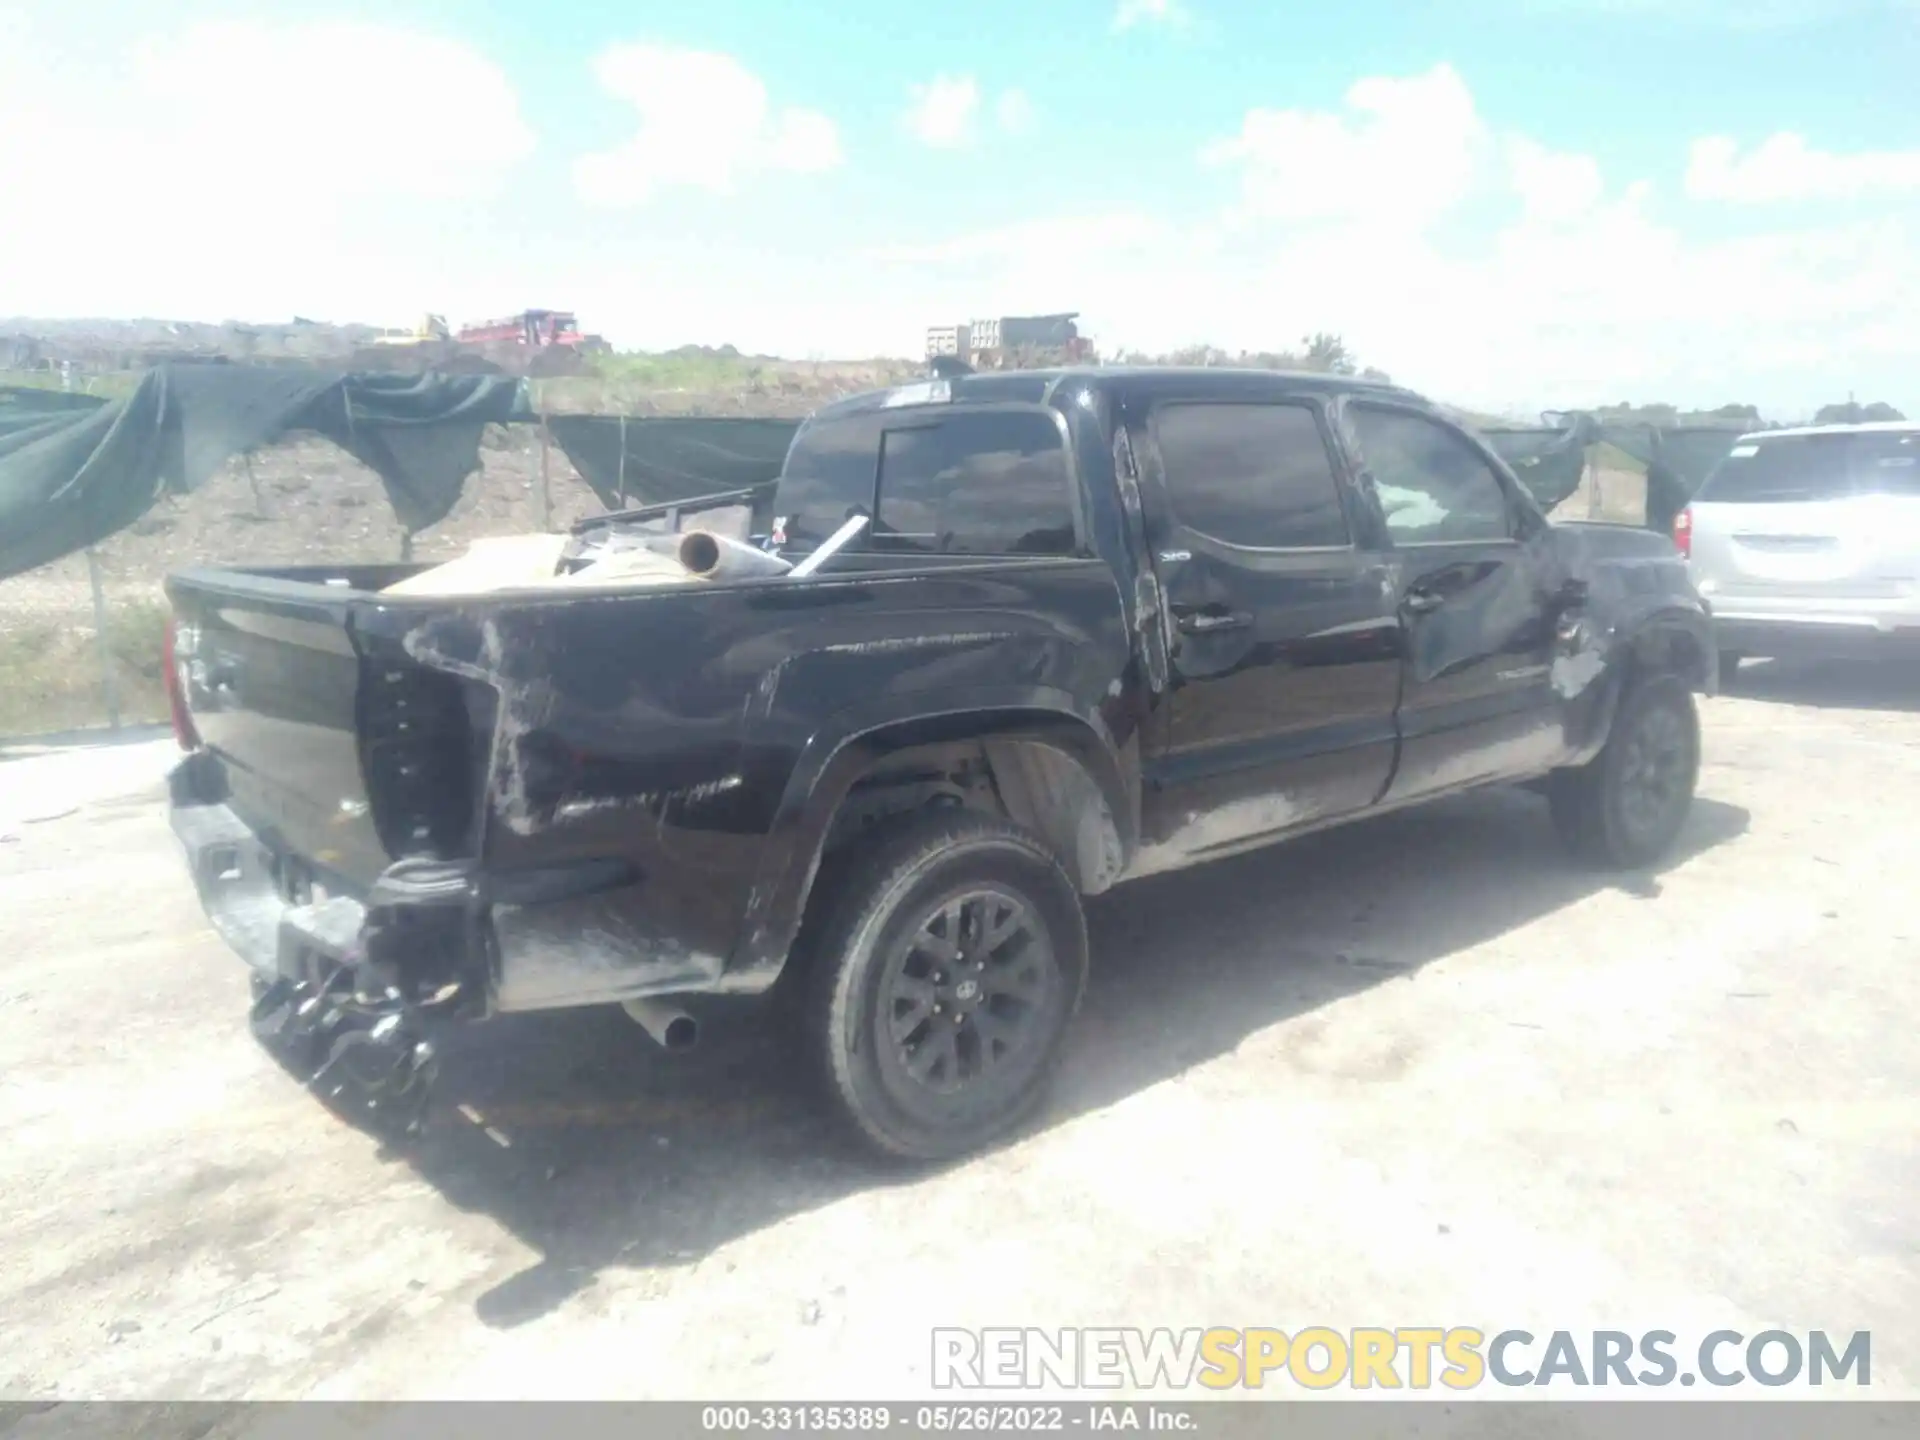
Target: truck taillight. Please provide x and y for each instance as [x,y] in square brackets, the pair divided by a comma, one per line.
[183,732]
[1683,531]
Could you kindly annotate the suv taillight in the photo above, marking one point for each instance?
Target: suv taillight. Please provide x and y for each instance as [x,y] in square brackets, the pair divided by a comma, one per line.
[183,732]
[1683,531]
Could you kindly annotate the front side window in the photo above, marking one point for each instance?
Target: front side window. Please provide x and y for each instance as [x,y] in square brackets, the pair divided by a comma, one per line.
[1251,475]
[1433,486]
[990,483]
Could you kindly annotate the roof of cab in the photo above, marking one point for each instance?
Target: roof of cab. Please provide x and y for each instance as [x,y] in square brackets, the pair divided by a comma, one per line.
[1036,386]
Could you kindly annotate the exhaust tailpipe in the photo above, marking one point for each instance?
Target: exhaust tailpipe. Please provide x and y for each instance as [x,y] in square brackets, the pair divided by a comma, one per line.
[670,1026]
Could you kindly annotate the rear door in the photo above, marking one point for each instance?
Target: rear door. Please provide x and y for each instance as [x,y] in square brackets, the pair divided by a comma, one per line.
[1475,581]
[1284,668]
[1832,516]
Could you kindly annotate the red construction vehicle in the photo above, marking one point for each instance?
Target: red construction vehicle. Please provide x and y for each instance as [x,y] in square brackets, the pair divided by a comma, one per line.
[536,329]
[534,342]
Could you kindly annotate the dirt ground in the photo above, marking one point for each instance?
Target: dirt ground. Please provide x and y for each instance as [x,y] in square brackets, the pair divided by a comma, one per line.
[1424,1071]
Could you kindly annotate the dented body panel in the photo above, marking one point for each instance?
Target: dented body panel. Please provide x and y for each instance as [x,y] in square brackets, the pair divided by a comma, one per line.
[548,798]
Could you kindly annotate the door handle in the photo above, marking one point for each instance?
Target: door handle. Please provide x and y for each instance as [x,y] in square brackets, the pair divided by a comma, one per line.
[1200,622]
[1423,602]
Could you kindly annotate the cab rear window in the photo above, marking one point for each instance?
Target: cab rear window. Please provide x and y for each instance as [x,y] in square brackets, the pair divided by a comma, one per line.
[965,482]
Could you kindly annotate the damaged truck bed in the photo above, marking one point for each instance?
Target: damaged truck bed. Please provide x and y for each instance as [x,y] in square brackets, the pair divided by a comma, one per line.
[1098,624]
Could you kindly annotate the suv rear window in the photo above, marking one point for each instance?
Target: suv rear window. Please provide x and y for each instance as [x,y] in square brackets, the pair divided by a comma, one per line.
[1816,467]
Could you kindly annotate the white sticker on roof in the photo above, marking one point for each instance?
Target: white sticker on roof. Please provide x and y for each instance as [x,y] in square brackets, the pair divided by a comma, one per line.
[931,392]
[1741,452]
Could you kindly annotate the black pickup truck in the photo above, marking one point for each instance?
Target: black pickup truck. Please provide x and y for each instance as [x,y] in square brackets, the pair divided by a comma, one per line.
[1101,623]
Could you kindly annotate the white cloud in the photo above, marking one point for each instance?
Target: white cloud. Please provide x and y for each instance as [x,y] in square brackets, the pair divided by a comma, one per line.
[1014,111]
[1406,151]
[1120,231]
[943,111]
[193,172]
[1486,269]
[1170,14]
[1552,185]
[206,113]
[706,123]
[1786,167]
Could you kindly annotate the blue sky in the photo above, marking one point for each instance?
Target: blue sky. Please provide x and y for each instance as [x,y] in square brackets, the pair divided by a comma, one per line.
[1508,203]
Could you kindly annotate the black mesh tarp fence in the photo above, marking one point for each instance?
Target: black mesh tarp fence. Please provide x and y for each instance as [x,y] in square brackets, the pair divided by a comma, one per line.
[77,469]
[1548,460]
[633,461]
[1678,459]
[1551,458]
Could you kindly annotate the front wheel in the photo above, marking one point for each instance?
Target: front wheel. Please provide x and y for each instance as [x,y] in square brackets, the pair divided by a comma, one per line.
[1625,807]
[943,981]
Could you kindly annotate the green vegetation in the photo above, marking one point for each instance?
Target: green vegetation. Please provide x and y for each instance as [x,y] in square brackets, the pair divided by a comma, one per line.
[691,367]
[50,670]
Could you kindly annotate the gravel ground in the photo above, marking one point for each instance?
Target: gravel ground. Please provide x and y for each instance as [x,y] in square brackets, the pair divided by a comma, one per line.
[1421,1071]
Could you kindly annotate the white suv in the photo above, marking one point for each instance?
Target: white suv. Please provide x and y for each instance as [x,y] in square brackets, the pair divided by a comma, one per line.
[1808,542]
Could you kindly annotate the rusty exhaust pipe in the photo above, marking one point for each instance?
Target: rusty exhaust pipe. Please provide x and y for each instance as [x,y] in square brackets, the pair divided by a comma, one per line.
[671,1027]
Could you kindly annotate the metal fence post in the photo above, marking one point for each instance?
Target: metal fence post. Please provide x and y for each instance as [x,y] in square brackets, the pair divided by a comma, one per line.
[623,464]
[253,483]
[543,501]
[107,687]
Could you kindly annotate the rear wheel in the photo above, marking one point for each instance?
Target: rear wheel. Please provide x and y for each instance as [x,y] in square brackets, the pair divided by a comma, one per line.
[941,985]
[1625,807]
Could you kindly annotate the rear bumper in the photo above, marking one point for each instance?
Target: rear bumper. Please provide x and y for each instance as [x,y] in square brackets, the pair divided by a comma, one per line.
[444,936]
[241,890]
[1747,630]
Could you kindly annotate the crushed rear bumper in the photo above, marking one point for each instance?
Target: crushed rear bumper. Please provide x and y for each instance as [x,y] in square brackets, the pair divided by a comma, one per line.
[360,974]
[333,1010]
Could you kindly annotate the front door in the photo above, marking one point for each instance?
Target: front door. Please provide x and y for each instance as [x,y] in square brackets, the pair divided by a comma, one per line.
[1477,581]
[1284,665]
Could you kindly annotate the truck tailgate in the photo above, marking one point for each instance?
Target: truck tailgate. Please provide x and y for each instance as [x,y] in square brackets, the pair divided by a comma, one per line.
[337,751]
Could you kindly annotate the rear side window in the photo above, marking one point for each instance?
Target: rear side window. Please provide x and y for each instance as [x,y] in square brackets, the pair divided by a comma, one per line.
[1251,475]
[828,478]
[1802,468]
[1434,488]
[987,483]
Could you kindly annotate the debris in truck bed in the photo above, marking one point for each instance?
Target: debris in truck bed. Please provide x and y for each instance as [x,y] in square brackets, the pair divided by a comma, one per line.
[504,562]
[517,562]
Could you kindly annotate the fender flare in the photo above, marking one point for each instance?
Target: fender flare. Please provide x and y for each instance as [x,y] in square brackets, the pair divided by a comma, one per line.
[1644,639]
[848,745]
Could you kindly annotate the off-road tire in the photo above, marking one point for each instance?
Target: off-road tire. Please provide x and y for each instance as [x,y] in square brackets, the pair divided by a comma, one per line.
[899,881]
[1594,806]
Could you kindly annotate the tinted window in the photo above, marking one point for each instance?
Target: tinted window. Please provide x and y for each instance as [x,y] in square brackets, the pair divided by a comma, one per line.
[980,484]
[1817,467]
[1251,474]
[1432,485]
[828,478]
